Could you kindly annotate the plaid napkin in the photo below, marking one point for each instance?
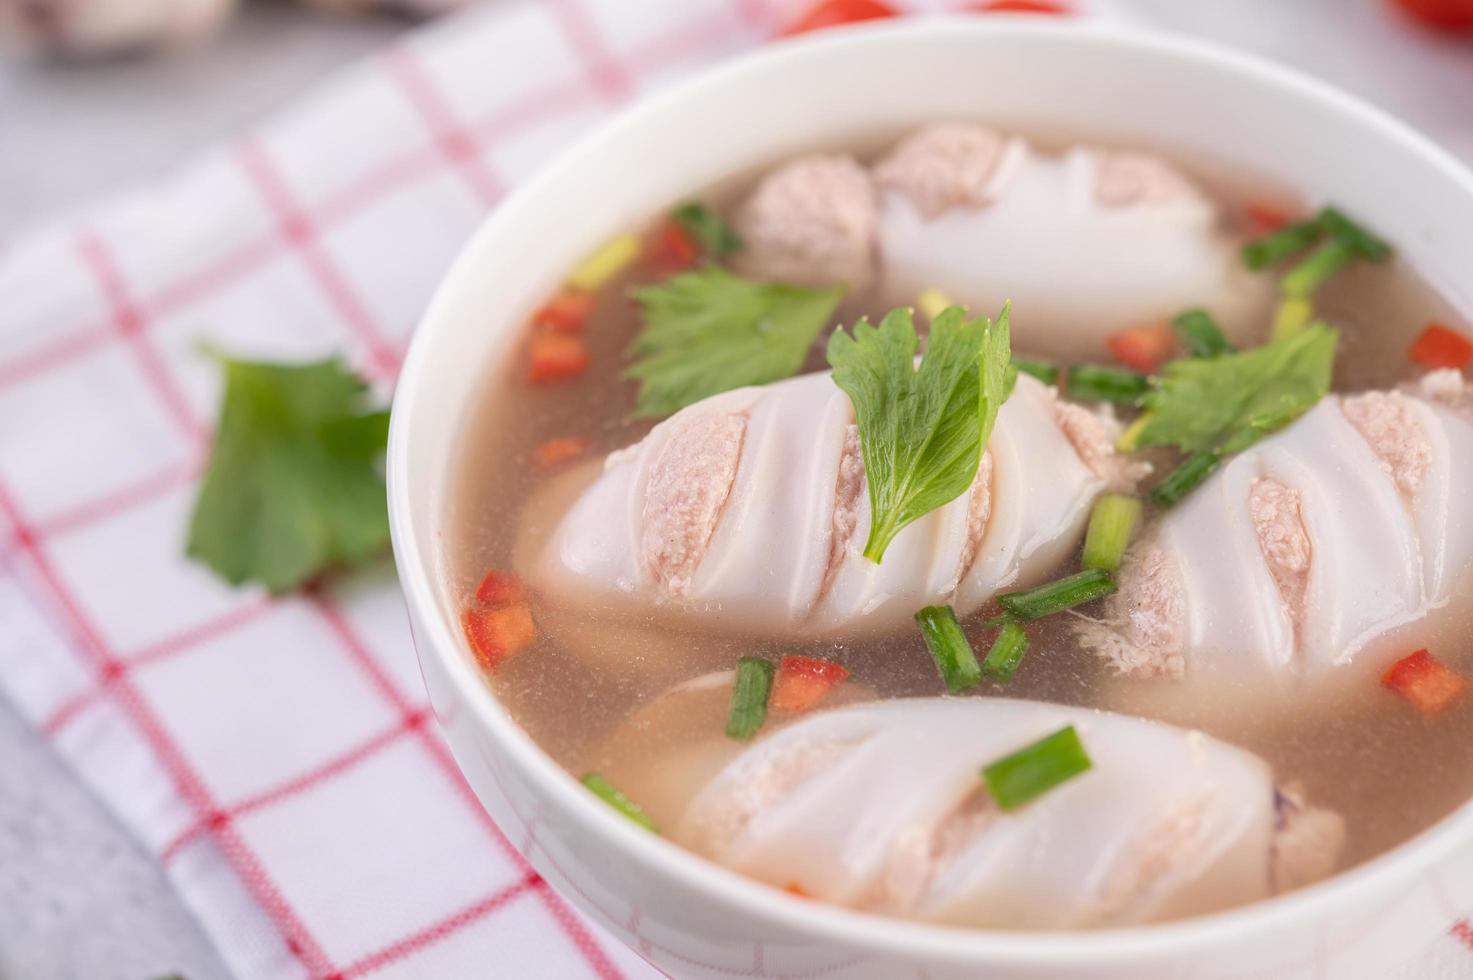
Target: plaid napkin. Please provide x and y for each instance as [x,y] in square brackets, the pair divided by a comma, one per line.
[276,754]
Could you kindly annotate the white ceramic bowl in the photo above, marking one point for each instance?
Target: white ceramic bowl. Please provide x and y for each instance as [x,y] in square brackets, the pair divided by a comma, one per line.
[692,918]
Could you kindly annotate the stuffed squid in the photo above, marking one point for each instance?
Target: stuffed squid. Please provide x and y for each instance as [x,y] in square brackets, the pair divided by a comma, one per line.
[747,513]
[879,806]
[1087,241]
[1298,555]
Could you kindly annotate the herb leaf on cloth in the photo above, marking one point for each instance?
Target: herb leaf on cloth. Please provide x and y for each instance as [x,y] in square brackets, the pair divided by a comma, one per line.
[710,331]
[921,430]
[293,486]
[1200,404]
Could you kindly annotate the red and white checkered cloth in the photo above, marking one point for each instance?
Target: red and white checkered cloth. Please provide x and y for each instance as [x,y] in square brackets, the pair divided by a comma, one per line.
[276,755]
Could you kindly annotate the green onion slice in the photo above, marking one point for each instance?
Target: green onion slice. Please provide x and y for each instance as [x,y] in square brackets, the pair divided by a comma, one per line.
[1312,273]
[610,794]
[706,227]
[1042,370]
[1035,769]
[1045,600]
[1184,479]
[954,657]
[1200,334]
[1281,244]
[749,697]
[1090,383]
[1111,523]
[1343,229]
[1006,653]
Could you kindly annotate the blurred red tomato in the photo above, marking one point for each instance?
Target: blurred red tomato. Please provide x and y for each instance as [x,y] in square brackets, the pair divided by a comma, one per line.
[1022,7]
[1444,15]
[832,13]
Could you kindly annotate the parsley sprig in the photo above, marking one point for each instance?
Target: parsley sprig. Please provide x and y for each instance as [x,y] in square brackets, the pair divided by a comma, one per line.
[709,331]
[293,486]
[921,429]
[1212,404]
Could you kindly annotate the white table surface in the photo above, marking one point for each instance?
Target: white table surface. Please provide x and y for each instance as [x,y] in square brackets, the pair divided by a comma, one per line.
[77,898]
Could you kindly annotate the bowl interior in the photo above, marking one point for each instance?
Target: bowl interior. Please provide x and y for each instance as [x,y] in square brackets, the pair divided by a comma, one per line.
[1084,82]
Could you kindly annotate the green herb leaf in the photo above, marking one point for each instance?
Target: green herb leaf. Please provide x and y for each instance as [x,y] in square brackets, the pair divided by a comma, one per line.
[709,331]
[1200,404]
[293,486]
[921,430]
[1035,769]
[707,227]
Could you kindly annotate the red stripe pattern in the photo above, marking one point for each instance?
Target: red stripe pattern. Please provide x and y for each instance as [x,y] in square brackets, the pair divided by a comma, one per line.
[353,837]
[357,699]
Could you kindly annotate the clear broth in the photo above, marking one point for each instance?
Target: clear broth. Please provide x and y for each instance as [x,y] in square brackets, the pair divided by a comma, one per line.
[1387,770]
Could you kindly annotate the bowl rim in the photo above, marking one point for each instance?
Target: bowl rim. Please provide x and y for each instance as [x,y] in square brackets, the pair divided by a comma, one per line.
[820,920]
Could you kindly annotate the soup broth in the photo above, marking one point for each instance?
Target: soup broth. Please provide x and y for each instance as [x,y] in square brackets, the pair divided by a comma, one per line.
[1354,748]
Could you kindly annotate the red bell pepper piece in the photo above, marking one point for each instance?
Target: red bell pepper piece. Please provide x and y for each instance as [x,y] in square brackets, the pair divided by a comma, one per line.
[803,681]
[1429,684]
[1439,347]
[1143,348]
[556,357]
[497,635]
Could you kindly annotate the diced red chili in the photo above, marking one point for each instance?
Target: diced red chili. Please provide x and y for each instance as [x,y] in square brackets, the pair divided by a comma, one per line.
[675,248]
[567,312]
[1023,7]
[794,888]
[802,682]
[832,13]
[556,357]
[1439,347]
[497,635]
[555,452]
[1429,684]
[1143,348]
[500,589]
[1264,217]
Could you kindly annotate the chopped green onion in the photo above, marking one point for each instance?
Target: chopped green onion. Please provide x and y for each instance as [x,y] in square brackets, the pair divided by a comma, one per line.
[1131,437]
[1184,479]
[610,794]
[1343,229]
[954,656]
[1292,316]
[1200,334]
[749,697]
[1045,600]
[1035,769]
[1313,272]
[1281,244]
[932,302]
[707,227]
[1042,370]
[1111,524]
[1090,383]
[1006,653]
